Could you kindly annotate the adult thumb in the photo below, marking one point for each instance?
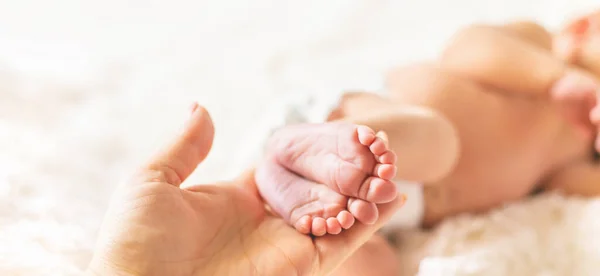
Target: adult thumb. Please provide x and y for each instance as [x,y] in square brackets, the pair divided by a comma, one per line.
[179,159]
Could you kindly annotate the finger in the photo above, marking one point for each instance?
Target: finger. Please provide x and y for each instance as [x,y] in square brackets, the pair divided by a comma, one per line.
[247,182]
[575,105]
[595,118]
[575,42]
[335,249]
[493,57]
[178,160]
[568,42]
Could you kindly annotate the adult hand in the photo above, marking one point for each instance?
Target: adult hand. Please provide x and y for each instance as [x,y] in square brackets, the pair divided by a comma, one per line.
[154,227]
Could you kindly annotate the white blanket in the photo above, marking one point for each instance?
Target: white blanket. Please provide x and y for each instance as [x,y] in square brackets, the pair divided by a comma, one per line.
[89,89]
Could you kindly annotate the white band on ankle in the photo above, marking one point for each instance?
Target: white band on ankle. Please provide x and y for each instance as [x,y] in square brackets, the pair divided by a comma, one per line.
[411,214]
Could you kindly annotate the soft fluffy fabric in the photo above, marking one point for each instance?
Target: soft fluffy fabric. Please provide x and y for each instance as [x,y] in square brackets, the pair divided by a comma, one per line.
[90,89]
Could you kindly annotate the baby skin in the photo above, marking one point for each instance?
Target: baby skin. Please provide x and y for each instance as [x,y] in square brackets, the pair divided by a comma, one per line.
[505,110]
[321,177]
[487,130]
[523,113]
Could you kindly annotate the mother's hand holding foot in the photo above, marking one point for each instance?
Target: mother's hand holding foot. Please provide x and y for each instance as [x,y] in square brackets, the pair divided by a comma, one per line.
[154,227]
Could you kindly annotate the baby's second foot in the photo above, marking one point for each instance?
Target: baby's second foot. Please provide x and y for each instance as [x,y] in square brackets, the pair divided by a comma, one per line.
[310,207]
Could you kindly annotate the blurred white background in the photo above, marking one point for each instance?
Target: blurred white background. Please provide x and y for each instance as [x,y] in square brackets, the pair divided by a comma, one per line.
[89,89]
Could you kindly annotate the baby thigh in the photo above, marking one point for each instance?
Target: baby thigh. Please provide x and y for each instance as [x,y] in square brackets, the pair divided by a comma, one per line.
[425,140]
[491,128]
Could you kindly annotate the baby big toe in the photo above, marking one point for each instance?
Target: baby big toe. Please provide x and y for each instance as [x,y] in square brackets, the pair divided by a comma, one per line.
[389,157]
[378,190]
[366,135]
[363,211]
[385,171]
[345,219]
[378,147]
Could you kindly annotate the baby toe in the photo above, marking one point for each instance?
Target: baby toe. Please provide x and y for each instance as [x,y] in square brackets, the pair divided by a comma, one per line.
[385,171]
[378,147]
[304,225]
[378,190]
[389,157]
[366,135]
[319,227]
[363,211]
[345,219]
[333,226]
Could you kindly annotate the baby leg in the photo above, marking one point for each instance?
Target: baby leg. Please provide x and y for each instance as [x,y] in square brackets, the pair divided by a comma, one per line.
[350,160]
[460,100]
[427,141]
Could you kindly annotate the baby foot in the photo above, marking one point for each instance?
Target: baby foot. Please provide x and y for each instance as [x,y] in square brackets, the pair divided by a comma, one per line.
[310,207]
[355,165]
[350,159]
